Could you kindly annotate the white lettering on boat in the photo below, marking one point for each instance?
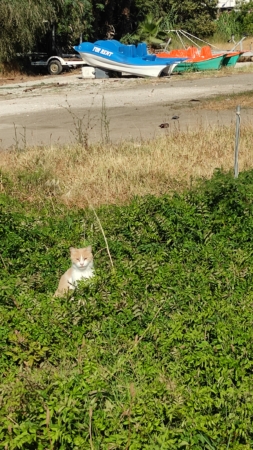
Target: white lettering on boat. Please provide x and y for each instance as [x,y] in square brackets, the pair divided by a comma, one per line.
[105,52]
[102,51]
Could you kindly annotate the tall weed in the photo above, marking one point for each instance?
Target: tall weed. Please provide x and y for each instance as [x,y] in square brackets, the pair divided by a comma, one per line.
[228,24]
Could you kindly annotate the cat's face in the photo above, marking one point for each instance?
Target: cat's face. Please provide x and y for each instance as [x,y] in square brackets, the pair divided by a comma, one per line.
[81,257]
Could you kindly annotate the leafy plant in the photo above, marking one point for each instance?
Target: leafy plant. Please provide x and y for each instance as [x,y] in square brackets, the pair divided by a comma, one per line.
[150,30]
[24,24]
[155,354]
[246,16]
[228,24]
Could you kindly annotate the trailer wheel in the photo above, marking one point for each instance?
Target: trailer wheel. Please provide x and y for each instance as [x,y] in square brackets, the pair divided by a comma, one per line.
[54,67]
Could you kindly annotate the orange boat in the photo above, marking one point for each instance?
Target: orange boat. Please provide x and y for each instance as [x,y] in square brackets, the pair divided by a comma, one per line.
[201,60]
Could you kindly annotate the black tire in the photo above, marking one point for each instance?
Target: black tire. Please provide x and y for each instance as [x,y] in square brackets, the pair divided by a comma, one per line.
[54,67]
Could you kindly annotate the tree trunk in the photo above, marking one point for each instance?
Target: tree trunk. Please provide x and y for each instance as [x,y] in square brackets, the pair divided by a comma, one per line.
[125,18]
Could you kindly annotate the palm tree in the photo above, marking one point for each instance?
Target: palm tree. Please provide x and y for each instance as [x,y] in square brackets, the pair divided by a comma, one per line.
[150,31]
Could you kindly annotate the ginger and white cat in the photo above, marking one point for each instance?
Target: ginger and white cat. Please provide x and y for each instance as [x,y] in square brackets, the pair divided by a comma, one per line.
[82,267]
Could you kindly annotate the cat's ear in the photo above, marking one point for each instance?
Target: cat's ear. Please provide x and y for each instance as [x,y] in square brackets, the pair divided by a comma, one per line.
[71,249]
[89,248]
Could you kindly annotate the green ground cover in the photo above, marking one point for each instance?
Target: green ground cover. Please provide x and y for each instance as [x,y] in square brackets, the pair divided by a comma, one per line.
[154,353]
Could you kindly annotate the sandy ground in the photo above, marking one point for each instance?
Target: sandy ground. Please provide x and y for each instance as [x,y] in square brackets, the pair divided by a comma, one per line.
[49,110]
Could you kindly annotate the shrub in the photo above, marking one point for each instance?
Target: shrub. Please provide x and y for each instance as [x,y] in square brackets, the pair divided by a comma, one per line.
[155,354]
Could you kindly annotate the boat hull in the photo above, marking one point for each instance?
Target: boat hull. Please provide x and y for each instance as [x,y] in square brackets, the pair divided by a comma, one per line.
[148,70]
[196,61]
[114,56]
[231,59]
[214,63]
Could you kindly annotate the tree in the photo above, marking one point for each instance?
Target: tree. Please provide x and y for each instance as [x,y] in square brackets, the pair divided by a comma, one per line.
[246,16]
[74,20]
[149,31]
[23,23]
[195,16]
[113,15]
[228,24]
[126,16]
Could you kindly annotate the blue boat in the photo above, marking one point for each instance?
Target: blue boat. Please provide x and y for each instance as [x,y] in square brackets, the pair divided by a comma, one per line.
[132,59]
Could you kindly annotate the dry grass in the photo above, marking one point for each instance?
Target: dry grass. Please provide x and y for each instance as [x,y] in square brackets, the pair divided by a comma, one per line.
[247,44]
[228,102]
[114,174]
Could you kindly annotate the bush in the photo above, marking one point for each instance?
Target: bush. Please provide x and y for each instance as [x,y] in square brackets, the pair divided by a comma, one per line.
[156,353]
[246,17]
[228,24]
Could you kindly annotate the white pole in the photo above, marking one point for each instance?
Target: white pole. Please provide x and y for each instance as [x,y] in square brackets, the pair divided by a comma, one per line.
[237,138]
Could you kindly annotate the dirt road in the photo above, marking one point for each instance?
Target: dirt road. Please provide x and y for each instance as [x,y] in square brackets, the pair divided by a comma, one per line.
[60,109]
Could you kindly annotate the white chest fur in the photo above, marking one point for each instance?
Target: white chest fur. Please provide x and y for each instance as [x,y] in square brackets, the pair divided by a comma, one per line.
[78,274]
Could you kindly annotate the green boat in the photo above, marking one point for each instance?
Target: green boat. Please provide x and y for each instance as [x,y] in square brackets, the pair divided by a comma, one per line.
[198,65]
[207,57]
[197,61]
[231,59]
[204,59]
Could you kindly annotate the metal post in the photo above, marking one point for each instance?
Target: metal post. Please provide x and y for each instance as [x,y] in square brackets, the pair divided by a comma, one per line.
[237,138]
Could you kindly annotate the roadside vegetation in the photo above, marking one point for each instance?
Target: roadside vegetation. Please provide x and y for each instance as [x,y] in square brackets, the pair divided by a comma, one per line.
[107,173]
[229,102]
[156,351]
